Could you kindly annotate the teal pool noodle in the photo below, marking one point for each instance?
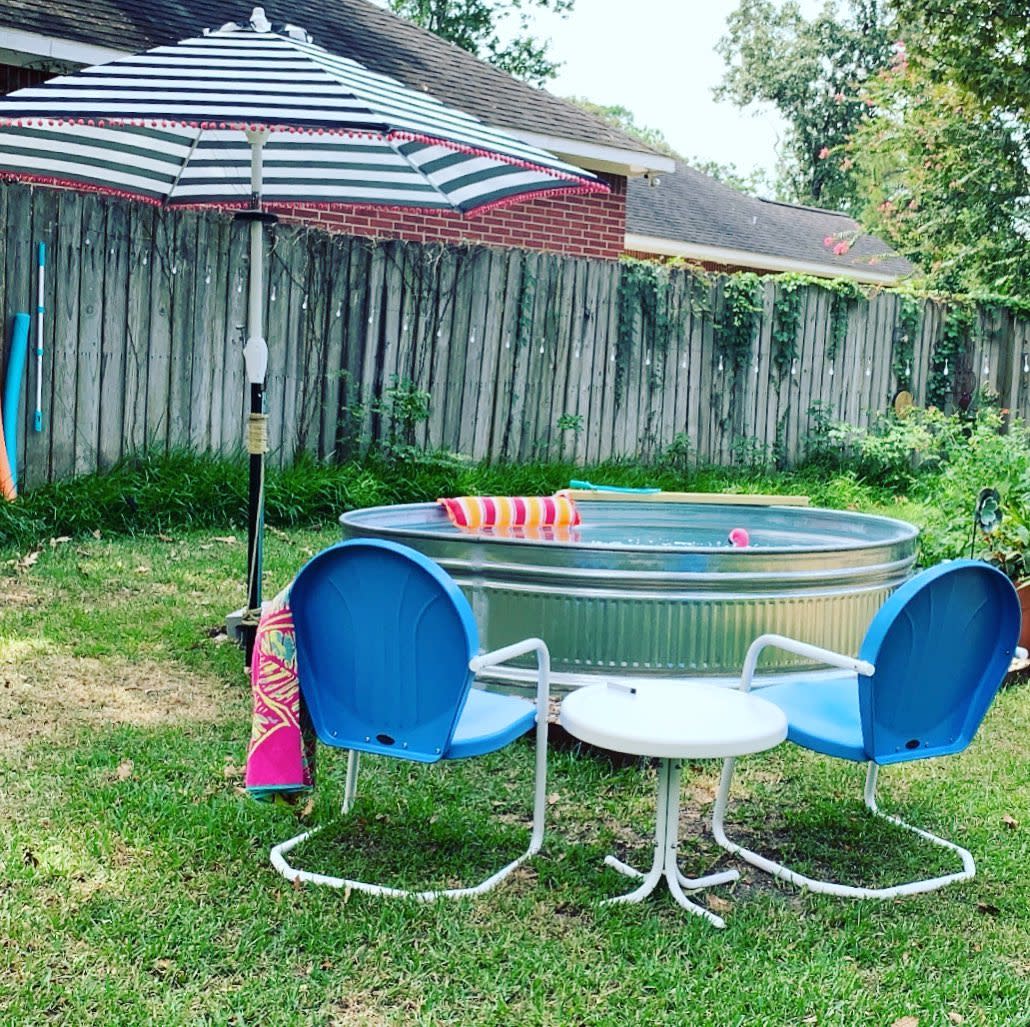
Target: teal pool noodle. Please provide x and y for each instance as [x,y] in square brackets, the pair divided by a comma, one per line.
[644,490]
[12,387]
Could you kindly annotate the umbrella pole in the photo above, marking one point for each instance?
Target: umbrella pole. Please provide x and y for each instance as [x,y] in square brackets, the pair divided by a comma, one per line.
[255,355]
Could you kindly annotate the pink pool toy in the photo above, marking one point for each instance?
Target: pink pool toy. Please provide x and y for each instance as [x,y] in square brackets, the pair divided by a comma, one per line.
[739,538]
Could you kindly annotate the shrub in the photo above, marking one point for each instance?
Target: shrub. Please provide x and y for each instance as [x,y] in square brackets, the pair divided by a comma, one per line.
[985,458]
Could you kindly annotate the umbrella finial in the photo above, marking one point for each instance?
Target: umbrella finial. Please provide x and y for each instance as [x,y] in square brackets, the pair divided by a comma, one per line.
[258,21]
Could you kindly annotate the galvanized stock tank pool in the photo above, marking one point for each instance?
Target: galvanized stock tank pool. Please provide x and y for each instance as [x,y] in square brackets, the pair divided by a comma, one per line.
[654,588]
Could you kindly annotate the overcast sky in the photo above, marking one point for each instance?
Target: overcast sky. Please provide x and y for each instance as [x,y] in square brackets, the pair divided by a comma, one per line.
[658,59]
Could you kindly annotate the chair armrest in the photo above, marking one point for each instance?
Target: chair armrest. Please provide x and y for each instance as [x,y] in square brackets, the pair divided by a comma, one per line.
[812,652]
[516,649]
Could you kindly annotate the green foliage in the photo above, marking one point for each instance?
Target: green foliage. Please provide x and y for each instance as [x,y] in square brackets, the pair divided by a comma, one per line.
[475,25]
[404,406]
[982,47]
[910,317]
[951,347]
[644,315]
[987,459]
[811,72]
[896,451]
[735,331]
[786,321]
[945,181]
[845,292]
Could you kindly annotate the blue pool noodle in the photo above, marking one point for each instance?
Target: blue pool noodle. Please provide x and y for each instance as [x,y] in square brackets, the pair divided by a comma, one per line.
[12,387]
[646,490]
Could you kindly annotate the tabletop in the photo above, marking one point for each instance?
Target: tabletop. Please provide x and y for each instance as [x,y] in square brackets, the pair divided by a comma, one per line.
[673,719]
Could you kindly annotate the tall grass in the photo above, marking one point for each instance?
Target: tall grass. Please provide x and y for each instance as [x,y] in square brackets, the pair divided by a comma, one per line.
[158,493]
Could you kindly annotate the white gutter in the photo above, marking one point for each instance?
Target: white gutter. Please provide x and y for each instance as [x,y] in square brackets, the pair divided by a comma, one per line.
[35,45]
[744,258]
[596,157]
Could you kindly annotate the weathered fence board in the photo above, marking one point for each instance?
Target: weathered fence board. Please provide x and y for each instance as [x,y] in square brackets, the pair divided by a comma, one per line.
[146,312]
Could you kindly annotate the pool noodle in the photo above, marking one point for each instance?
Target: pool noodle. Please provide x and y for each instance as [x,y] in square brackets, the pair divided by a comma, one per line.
[12,389]
[7,489]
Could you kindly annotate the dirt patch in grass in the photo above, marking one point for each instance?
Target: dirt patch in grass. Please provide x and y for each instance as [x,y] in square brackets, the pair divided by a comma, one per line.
[46,695]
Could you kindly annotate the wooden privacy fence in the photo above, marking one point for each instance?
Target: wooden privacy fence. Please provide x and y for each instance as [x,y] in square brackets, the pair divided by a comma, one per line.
[523,355]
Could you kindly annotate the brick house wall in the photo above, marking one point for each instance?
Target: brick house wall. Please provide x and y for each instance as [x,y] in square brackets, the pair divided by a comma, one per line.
[588,225]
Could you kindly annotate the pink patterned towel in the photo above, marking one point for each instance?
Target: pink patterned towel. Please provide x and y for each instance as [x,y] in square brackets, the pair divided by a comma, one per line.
[281,756]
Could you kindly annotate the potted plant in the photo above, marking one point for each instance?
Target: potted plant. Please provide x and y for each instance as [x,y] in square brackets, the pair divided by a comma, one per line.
[1004,531]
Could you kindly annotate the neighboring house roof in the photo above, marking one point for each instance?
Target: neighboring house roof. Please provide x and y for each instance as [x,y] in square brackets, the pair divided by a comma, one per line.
[693,215]
[104,29]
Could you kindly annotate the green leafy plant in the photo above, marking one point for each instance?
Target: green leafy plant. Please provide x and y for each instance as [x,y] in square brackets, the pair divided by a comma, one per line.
[910,316]
[896,450]
[735,330]
[984,458]
[946,364]
[845,293]
[786,319]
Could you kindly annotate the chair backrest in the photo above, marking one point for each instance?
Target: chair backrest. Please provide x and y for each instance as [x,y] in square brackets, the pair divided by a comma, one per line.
[384,638]
[941,645]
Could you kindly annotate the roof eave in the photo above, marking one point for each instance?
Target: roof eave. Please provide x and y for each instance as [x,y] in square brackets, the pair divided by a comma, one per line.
[596,156]
[760,261]
[34,45]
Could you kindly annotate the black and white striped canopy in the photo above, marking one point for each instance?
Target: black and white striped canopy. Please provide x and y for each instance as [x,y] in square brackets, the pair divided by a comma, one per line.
[168,126]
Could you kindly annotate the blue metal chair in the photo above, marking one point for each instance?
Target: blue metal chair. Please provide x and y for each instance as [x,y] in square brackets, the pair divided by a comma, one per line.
[386,656]
[930,664]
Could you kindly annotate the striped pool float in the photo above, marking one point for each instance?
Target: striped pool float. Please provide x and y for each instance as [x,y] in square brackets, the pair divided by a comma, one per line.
[511,513]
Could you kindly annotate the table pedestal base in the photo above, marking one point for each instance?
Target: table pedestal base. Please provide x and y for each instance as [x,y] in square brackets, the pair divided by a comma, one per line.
[665,845]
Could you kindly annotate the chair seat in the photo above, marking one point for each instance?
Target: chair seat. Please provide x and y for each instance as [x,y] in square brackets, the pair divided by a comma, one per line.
[488,722]
[822,716]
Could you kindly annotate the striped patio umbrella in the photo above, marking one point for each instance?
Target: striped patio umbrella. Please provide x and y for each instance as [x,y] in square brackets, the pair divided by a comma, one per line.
[247,117]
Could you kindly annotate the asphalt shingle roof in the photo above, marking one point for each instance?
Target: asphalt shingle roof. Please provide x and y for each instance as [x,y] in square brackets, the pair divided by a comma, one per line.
[692,207]
[354,28]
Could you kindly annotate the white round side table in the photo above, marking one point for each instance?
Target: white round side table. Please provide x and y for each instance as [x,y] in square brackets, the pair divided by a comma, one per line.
[673,722]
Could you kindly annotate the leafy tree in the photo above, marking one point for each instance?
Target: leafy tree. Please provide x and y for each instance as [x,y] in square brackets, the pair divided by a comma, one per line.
[983,47]
[945,176]
[812,73]
[625,120]
[753,183]
[473,25]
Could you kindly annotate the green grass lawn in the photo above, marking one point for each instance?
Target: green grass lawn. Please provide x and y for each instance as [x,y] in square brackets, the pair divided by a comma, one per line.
[136,887]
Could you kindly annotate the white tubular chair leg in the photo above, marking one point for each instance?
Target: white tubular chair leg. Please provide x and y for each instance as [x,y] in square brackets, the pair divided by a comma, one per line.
[784,873]
[351,785]
[291,873]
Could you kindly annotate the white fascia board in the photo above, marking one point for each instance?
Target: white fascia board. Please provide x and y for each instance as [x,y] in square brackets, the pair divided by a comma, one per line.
[32,44]
[596,157]
[745,258]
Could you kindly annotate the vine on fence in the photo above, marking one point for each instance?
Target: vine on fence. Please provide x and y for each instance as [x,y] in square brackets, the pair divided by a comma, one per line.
[910,315]
[845,292]
[786,319]
[735,332]
[643,293]
[948,353]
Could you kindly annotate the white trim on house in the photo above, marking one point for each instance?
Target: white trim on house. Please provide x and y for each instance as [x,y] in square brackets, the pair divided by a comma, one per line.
[596,157]
[21,45]
[744,258]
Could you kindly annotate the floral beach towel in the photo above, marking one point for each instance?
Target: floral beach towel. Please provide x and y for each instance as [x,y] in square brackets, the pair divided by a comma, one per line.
[281,755]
